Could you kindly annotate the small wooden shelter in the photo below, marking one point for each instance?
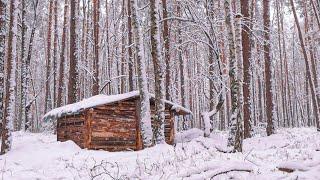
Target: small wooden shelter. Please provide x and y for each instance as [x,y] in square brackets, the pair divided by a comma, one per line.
[110,122]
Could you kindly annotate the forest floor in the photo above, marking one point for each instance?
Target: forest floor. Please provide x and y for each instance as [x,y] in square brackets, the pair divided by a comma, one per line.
[40,156]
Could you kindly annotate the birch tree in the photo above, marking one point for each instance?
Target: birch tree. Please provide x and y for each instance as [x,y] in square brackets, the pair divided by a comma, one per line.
[145,116]
[235,134]
[158,73]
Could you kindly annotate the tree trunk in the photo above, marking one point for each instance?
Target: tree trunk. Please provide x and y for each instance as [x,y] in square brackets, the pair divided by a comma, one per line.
[55,52]
[62,56]
[166,42]
[246,48]
[73,70]
[48,60]
[130,41]
[308,71]
[9,100]
[95,86]
[23,88]
[268,68]
[2,53]
[235,135]
[145,115]
[159,73]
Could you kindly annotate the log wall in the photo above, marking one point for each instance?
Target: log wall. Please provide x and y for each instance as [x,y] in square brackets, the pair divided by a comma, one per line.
[73,128]
[112,127]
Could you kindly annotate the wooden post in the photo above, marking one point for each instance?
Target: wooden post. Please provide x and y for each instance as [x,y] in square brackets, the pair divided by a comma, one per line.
[172,130]
[139,144]
[88,134]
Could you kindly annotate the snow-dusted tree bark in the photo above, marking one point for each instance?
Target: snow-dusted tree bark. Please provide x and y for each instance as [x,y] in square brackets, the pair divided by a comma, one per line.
[10,83]
[145,116]
[2,52]
[308,71]
[235,134]
[246,68]
[159,75]
[55,53]
[23,88]
[62,56]
[166,42]
[96,12]
[130,41]
[73,68]
[28,67]
[268,68]
[48,99]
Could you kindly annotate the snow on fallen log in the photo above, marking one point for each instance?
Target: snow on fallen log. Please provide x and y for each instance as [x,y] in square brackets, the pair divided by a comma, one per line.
[187,136]
[213,169]
[290,167]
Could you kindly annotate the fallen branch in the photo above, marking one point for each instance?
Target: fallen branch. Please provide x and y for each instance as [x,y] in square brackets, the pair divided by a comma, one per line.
[231,170]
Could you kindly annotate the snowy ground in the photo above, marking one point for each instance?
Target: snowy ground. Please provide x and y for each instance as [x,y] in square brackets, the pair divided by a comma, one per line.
[39,156]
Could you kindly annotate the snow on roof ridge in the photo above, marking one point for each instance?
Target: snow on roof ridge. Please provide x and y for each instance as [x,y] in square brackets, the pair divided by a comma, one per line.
[100,100]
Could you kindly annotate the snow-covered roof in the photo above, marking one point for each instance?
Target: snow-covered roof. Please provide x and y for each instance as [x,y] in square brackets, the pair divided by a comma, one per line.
[102,99]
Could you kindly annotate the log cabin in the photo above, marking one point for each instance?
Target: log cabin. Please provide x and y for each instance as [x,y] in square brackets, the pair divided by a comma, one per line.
[110,122]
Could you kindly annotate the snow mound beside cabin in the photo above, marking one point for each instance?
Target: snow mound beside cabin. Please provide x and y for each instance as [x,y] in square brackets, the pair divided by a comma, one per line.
[40,156]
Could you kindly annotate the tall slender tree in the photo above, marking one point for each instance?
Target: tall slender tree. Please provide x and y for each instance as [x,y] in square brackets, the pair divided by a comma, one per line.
[96,12]
[23,88]
[166,42]
[9,100]
[62,56]
[159,73]
[48,99]
[130,42]
[73,67]
[268,68]
[55,52]
[2,52]
[308,71]
[144,115]
[235,135]
[246,49]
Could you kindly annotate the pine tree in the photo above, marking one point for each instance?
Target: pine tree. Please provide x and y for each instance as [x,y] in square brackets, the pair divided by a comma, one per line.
[246,67]
[308,71]
[73,68]
[268,68]
[48,99]
[23,66]
[130,42]
[9,100]
[62,56]
[166,42]
[96,6]
[2,52]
